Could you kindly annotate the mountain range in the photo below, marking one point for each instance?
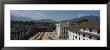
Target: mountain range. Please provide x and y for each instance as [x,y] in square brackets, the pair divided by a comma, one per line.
[90,18]
[20,18]
[46,20]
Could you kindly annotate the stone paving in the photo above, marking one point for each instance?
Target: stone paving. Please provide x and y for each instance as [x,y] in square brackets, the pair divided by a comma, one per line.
[45,36]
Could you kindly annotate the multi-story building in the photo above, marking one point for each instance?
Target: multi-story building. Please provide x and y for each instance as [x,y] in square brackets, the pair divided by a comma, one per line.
[78,31]
[85,31]
[21,31]
[61,30]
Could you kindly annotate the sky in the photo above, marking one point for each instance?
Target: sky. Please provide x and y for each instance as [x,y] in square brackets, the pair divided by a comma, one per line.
[57,15]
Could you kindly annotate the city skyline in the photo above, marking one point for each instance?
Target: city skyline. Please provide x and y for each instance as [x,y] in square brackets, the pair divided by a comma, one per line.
[55,24]
[57,15]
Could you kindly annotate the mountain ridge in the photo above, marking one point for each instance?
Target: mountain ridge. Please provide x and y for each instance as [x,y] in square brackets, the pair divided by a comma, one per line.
[21,18]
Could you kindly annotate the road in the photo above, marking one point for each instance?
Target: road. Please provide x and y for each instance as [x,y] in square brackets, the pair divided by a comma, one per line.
[45,36]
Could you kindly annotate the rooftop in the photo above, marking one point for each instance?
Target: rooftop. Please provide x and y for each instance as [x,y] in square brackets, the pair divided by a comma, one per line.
[76,27]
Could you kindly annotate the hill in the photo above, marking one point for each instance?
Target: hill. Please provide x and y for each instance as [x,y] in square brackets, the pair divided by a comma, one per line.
[20,18]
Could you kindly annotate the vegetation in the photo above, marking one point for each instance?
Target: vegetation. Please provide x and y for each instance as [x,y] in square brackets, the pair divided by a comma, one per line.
[83,20]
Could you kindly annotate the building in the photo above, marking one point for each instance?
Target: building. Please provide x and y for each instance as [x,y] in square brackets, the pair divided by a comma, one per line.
[20,31]
[62,30]
[84,31]
[78,31]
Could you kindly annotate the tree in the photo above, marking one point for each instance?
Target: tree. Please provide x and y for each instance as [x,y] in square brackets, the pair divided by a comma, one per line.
[83,20]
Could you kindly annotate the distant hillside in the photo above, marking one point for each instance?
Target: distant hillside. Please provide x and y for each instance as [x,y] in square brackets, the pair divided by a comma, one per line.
[74,20]
[16,18]
[91,18]
[46,20]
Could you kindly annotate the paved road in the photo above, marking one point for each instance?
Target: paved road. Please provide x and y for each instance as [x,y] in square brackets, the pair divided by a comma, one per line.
[45,36]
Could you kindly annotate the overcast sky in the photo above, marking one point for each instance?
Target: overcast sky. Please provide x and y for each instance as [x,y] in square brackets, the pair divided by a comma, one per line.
[57,15]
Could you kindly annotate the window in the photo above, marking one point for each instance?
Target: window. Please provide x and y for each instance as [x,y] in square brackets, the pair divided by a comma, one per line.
[76,37]
[90,30]
[90,37]
[98,38]
[64,36]
[94,30]
[79,34]
[79,38]
[98,31]
[73,31]
[76,32]
[83,35]
[84,28]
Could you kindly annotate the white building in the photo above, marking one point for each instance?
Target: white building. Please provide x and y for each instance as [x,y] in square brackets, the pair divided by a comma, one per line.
[78,31]
[81,35]
[84,31]
[92,30]
[61,29]
[58,29]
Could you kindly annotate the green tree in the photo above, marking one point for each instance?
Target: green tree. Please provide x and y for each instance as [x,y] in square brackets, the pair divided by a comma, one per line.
[84,20]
